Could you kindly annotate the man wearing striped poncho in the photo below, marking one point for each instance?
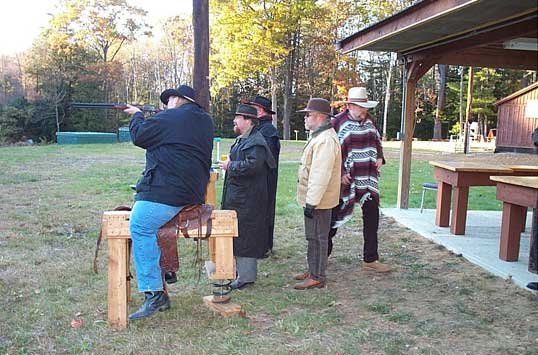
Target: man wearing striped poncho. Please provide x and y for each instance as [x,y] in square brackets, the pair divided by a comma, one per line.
[362,158]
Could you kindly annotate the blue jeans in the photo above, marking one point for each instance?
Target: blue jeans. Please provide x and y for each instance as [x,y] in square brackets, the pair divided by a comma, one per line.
[146,219]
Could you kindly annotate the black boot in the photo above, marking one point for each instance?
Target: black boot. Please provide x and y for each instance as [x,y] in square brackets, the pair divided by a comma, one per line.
[154,301]
[170,277]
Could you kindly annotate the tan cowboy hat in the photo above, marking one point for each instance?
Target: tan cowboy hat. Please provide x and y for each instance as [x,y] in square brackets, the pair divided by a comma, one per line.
[359,96]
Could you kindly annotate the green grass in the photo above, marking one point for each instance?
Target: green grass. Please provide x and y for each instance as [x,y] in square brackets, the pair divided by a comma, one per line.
[51,201]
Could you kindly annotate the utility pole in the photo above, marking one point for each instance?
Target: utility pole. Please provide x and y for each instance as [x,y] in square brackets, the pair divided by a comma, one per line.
[468,111]
[200,73]
[462,74]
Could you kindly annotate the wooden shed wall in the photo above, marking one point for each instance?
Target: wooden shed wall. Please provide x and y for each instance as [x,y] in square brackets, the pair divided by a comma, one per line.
[513,128]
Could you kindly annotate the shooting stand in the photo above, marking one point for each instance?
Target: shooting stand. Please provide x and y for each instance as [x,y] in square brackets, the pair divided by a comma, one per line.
[115,227]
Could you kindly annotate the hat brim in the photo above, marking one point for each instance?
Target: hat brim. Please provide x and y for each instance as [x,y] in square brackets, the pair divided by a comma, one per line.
[252,103]
[166,94]
[367,104]
[247,115]
[307,110]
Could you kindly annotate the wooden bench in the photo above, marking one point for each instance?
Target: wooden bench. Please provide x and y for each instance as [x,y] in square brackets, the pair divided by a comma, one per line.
[517,194]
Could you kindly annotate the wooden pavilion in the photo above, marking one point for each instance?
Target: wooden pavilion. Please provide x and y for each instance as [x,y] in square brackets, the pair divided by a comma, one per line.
[482,33]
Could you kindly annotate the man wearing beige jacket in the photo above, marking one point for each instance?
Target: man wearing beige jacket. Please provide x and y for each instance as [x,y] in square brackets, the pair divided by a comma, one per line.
[318,189]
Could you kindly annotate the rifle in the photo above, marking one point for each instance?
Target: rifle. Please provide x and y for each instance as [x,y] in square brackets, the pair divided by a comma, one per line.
[101,105]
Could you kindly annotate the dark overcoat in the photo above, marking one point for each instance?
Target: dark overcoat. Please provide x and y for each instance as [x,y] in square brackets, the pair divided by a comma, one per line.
[270,133]
[245,191]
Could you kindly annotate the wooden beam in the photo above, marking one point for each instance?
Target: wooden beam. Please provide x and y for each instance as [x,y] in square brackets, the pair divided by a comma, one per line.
[492,58]
[200,75]
[524,27]
[413,16]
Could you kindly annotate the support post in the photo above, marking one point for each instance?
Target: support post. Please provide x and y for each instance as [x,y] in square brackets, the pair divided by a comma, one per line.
[414,71]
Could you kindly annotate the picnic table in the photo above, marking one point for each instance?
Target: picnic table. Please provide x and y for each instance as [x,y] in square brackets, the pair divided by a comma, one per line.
[457,177]
[517,194]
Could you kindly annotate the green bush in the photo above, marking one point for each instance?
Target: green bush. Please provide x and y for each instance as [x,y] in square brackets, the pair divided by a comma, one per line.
[12,124]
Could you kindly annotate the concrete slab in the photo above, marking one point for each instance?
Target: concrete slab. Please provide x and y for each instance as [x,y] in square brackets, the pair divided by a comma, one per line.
[479,245]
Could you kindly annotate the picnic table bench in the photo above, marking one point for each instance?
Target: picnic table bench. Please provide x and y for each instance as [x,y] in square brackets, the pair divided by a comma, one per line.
[458,176]
[517,194]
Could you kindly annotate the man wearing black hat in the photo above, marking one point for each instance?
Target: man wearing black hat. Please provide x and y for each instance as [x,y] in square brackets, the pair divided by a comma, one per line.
[178,144]
[245,191]
[270,133]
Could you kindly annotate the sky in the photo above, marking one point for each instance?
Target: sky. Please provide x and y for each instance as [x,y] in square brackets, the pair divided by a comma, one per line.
[21,21]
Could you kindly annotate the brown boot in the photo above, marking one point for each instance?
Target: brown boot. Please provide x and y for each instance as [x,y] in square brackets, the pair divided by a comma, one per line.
[309,283]
[302,276]
[376,266]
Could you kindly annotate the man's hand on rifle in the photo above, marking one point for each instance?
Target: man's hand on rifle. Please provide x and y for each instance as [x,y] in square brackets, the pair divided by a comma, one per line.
[131,110]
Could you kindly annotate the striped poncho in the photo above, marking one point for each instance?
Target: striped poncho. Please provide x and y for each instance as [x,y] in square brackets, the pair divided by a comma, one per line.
[361,147]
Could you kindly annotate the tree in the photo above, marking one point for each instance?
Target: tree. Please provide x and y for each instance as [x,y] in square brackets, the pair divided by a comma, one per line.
[440,101]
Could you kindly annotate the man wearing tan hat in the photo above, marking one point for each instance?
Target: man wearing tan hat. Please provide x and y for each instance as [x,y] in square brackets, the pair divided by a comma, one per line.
[318,189]
[362,158]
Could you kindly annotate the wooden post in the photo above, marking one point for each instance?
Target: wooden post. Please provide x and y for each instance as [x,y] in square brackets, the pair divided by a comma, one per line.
[406,146]
[200,76]
[442,212]
[211,194]
[118,285]
[414,71]
[533,252]
[512,218]
[459,210]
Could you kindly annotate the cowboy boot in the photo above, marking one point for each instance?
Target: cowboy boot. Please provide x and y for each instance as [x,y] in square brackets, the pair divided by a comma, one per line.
[153,301]
[170,277]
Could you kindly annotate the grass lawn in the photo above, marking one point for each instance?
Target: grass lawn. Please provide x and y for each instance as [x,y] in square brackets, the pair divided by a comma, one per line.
[434,302]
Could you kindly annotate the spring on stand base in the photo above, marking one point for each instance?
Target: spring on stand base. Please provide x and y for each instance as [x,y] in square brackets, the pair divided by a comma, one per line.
[221,290]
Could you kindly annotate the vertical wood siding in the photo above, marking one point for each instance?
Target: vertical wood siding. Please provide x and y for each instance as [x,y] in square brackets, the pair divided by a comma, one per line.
[513,128]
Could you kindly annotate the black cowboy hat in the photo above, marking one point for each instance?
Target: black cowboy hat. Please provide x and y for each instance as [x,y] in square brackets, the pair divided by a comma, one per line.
[246,111]
[262,102]
[183,91]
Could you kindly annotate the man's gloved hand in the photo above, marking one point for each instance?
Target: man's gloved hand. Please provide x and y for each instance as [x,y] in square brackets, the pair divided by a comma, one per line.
[309,211]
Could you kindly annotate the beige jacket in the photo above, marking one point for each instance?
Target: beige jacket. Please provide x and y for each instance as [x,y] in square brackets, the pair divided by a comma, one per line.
[319,174]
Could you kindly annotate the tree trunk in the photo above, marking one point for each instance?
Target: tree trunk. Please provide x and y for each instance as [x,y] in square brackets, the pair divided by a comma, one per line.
[437,130]
[387,94]
[274,97]
[288,83]
[57,117]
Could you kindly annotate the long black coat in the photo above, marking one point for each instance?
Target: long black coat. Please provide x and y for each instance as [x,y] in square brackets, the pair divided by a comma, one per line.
[270,134]
[245,191]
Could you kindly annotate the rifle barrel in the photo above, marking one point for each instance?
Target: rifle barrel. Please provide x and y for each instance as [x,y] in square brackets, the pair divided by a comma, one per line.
[117,106]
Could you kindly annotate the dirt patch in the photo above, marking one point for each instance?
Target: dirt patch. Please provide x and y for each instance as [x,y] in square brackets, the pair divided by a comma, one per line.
[433,300]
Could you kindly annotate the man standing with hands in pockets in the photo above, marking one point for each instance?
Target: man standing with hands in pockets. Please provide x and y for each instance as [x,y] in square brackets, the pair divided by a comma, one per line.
[318,189]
